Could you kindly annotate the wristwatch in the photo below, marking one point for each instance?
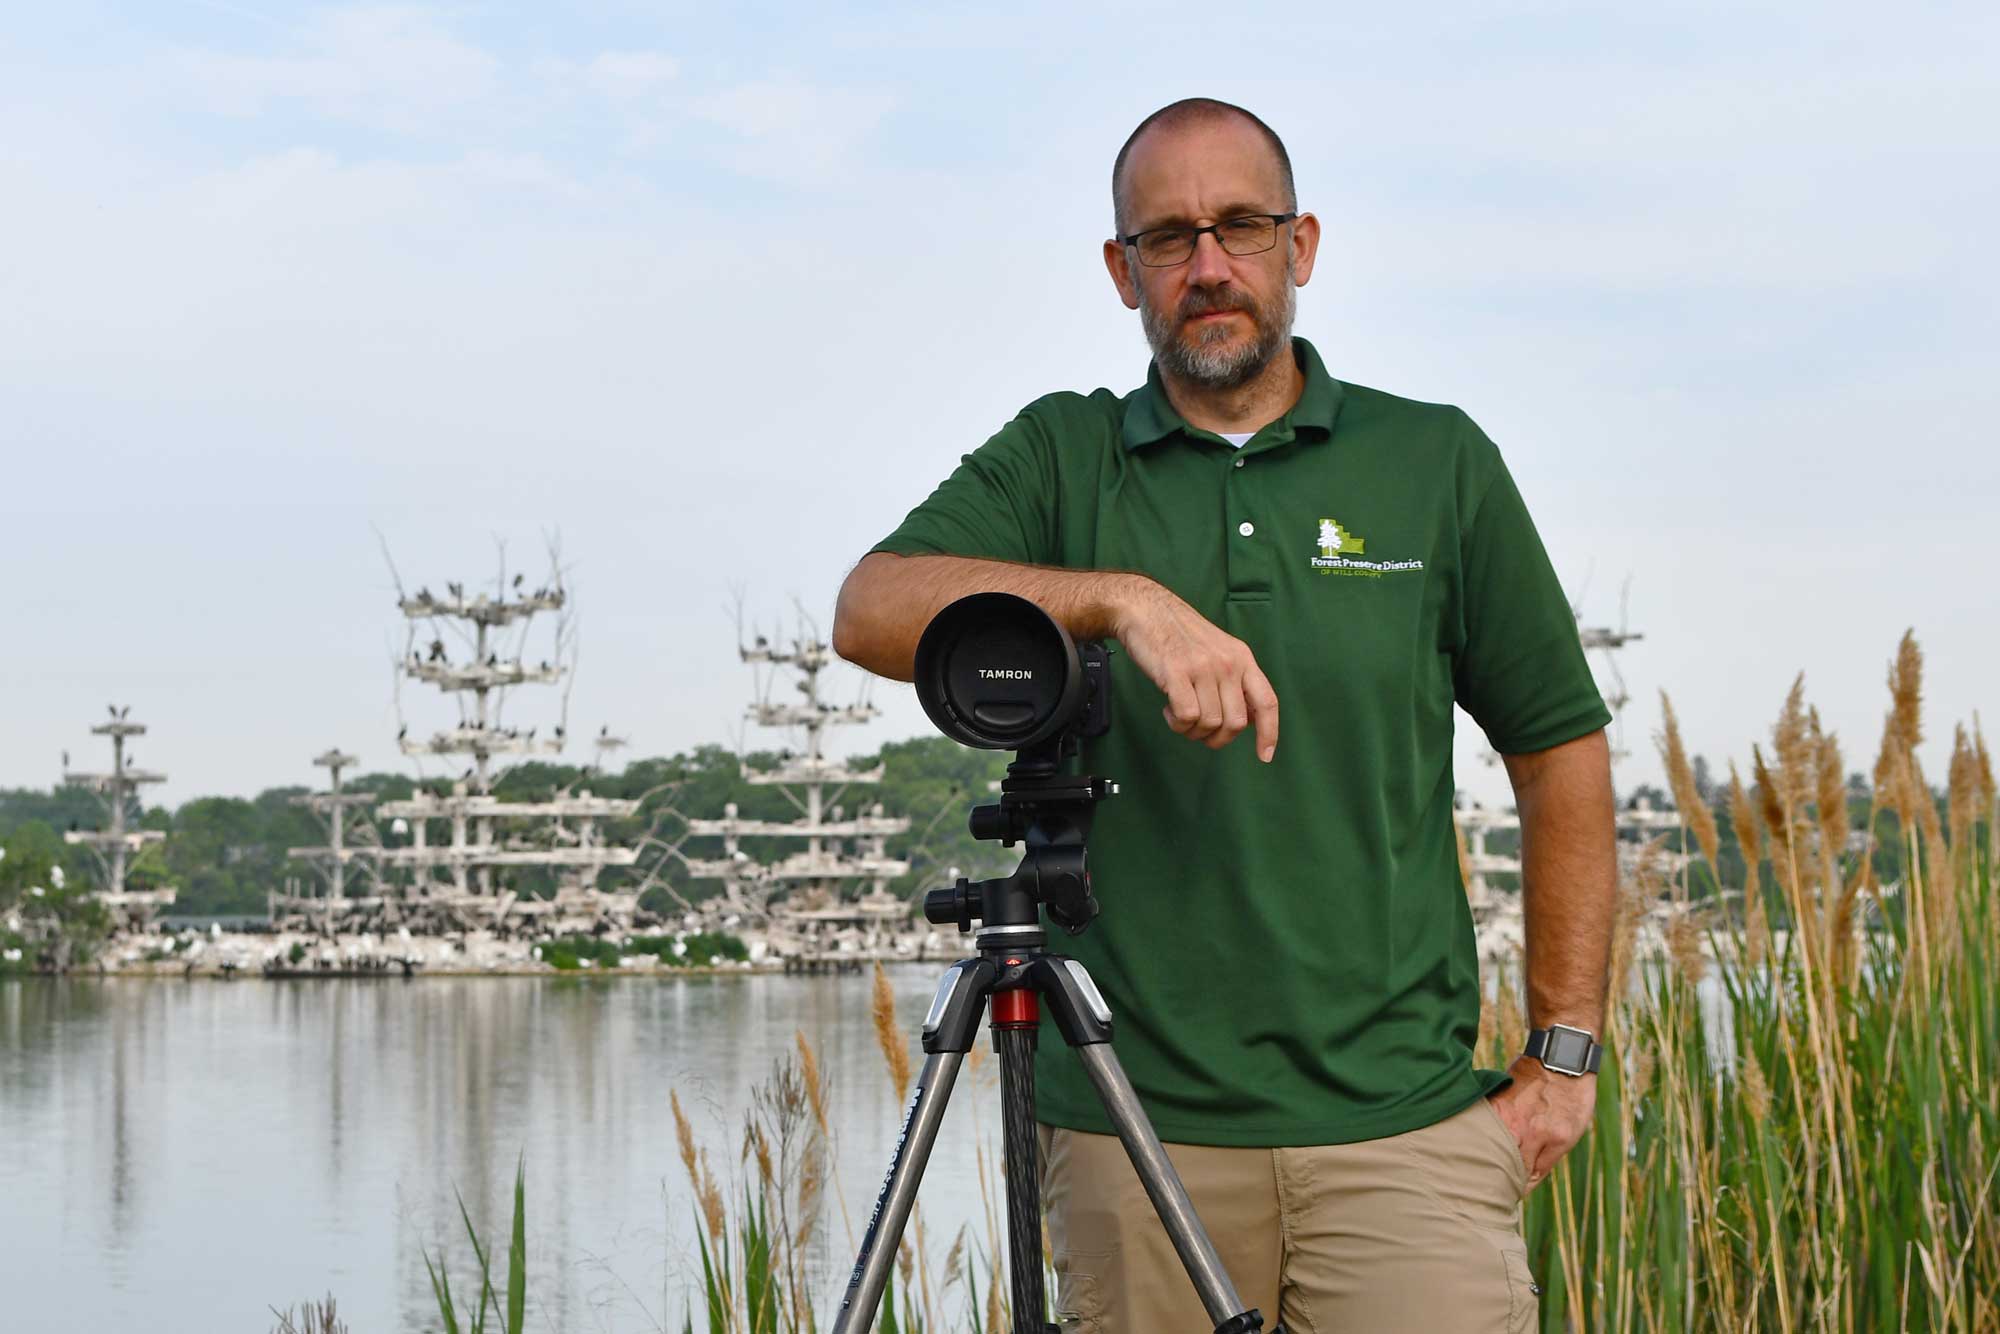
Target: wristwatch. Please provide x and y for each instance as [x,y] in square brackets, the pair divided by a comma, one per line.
[1565,1050]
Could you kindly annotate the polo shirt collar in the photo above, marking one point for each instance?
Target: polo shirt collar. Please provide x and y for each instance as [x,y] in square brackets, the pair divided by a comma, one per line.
[1150,416]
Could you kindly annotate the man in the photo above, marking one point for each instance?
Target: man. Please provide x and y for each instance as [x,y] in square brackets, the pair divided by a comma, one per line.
[1285,940]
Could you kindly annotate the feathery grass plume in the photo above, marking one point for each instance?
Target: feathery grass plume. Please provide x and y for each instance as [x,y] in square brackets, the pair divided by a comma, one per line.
[1639,1074]
[894,1042]
[1684,945]
[709,1194]
[815,1086]
[1937,856]
[1837,891]
[1792,745]
[1899,784]
[684,1135]
[1986,788]
[1906,693]
[1743,822]
[761,1146]
[1846,944]
[1755,1089]
[1777,817]
[1830,796]
[996,1316]
[812,1179]
[1695,812]
[1749,831]
[952,1258]
[1961,799]
[906,1261]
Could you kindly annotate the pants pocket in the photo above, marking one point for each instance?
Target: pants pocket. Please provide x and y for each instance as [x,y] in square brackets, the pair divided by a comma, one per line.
[1524,1305]
[1510,1150]
[1079,1295]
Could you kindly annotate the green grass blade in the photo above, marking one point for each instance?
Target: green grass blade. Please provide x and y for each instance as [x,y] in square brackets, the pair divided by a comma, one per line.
[486,1297]
[517,1252]
[441,1289]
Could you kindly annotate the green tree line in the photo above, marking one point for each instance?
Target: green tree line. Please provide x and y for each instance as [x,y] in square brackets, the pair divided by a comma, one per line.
[223,854]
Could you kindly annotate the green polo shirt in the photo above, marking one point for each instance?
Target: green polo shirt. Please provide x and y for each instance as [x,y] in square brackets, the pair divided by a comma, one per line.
[1287,947]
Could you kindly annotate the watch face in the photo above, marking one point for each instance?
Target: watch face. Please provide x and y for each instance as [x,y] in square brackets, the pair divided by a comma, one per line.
[1568,1049]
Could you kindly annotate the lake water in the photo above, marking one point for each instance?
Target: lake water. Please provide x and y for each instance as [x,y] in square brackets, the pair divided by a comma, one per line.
[183,1155]
[180,1156]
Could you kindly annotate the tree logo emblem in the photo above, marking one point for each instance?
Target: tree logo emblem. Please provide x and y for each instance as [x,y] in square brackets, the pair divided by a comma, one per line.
[1335,540]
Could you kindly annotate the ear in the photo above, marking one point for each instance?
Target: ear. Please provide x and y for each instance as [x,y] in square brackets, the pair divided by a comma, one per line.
[1118,261]
[1305,247]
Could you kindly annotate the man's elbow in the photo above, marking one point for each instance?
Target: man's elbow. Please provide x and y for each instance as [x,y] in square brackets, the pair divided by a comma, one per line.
[852,639]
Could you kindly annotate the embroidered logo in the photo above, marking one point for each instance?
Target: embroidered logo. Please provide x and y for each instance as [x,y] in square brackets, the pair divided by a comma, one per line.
[1339,547]
[1337,541]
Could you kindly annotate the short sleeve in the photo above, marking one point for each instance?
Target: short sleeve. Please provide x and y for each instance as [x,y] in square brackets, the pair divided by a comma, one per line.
[1520,669]
[999,504]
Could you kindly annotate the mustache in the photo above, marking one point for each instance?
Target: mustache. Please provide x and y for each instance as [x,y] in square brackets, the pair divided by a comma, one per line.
[1214,302]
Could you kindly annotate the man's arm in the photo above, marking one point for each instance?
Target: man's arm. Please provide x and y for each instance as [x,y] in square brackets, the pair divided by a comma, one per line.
[1213,686]
[1569,867]
[1569,871]
[887,601]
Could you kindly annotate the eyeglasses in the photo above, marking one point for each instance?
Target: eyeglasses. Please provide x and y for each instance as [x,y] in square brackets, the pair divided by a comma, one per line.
[1164,247]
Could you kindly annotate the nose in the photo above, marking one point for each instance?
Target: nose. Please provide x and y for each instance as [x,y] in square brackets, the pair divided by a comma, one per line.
[1208,266]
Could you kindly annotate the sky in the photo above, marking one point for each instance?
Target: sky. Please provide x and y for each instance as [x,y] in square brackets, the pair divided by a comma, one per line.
[716,293]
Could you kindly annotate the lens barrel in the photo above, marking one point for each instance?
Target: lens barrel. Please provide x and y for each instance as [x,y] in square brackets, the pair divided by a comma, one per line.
[997,672]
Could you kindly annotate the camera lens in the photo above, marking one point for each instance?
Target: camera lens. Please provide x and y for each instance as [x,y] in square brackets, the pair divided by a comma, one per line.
[997,672]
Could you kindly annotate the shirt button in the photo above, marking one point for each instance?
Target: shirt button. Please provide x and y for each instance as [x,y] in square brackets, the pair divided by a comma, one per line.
[1239,463]
[1246,528]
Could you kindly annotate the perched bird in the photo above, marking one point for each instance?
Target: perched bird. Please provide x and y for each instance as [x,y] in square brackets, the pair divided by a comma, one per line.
[517,580]
[403,732]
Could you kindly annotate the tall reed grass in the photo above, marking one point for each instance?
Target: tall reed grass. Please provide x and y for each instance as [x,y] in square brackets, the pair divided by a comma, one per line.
[1822,1156]
[1798,1120]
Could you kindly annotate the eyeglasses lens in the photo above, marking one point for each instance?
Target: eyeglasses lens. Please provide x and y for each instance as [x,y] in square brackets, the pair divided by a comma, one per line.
[1239,236]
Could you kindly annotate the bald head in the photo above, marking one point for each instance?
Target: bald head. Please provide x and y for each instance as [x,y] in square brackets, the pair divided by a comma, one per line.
[1195,113]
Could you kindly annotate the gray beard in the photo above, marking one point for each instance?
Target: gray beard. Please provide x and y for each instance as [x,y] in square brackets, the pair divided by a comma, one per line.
[1213,360]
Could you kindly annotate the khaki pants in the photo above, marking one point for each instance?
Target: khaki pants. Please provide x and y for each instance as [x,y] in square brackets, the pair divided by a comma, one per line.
[1417,1232]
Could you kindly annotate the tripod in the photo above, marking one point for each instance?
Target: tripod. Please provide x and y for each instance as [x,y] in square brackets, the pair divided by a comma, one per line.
[1049,813]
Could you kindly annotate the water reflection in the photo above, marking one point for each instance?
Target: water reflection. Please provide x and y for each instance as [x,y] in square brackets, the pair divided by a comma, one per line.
[181,1155]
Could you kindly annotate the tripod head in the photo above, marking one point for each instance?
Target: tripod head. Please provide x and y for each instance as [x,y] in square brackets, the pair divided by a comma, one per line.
[997,672]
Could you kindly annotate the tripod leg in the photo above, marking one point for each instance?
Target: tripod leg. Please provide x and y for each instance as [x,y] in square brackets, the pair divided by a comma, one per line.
[1169,1196]
[1014,1017]
[899,1193]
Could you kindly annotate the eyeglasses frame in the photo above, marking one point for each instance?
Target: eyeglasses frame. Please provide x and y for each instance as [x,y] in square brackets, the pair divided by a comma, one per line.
[1194,235]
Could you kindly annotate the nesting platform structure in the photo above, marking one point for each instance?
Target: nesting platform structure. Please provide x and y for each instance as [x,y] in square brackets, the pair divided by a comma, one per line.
[118,844]
[828,898]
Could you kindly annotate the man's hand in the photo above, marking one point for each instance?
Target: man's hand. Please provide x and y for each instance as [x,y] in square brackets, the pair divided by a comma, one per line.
[1213,685]
[1547,1112]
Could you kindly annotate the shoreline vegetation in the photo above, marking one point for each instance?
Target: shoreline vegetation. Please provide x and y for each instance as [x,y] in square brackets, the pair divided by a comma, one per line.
[225,855]
[1834,1169]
